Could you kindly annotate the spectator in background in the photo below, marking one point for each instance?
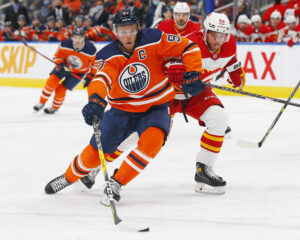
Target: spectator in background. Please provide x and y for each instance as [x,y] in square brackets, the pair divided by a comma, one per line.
[45,10]
[277,6]
[73,5]
[58,11]
[13,11]
[96,11]
[137,11]
[260,29]
[108,9]
[150,14]
[167,15]
[244,29]
[109,23]
[275,25]
[85,7]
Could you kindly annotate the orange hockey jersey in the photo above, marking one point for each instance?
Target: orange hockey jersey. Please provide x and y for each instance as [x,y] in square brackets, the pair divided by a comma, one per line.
[135,82]
[82,61]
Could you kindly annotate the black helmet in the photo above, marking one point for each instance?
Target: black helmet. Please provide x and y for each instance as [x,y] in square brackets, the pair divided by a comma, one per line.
[125,17]
[78,31]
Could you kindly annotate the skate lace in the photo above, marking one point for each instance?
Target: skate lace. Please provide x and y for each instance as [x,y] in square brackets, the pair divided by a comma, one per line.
[59,183]
[210,172]
[115,187]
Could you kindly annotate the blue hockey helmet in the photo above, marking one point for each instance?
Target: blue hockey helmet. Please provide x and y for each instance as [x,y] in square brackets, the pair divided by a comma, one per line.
[125,17]
[78,31]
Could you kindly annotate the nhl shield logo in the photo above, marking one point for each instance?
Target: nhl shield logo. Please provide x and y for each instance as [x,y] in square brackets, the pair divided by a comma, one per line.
[134,78]
[75,61]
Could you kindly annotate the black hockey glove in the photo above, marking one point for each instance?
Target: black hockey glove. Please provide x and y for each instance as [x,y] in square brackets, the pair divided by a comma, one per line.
[96,106]
[192,84]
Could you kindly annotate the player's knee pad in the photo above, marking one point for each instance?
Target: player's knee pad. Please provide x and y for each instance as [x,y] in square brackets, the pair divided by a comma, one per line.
[151,141]
[90,157]
[215,119]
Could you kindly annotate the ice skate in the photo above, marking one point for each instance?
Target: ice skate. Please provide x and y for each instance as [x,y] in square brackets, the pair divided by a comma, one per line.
[89,180]
[228,132]
[115,188]
[50,110]
[207,181]
[37,107]
[57,184]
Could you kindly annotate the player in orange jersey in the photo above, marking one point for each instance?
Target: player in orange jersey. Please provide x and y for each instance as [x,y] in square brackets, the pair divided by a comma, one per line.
[131,77]
[75,59]
[180,24]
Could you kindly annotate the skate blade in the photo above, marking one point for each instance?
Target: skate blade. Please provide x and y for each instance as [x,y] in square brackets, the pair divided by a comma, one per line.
[204,188]
[105,202]
[81,186]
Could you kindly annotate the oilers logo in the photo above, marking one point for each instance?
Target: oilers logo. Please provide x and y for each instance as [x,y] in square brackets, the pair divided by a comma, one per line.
[75,62]
[134,78]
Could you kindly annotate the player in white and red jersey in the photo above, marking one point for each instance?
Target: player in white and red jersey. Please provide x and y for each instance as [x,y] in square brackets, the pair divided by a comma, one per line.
[218,49]
[291,33]
[260,29]
[181,24]
[131,77]
[75,59]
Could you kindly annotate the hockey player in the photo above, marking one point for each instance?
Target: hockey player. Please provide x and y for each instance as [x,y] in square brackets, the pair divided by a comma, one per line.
[180,24]
[131,76]
[218,49]
[74,57]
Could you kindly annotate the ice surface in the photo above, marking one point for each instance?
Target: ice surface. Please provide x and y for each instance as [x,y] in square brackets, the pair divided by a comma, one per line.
[261,201]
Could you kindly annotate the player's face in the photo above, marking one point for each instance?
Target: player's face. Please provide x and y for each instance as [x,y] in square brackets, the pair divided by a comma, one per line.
[127,36]
[275,22]
[181,19]
[78,41]
[215,40]
[257,25]
[291,26]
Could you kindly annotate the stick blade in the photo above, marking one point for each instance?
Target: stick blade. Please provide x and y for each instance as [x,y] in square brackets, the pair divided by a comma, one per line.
[247,144]
[132,228]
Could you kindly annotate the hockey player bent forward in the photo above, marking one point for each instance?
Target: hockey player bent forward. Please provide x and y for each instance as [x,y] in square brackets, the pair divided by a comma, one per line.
[131,76]
[218,49]
[74,57]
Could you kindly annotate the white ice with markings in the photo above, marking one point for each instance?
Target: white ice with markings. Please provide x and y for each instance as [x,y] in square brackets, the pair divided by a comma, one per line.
[262,200]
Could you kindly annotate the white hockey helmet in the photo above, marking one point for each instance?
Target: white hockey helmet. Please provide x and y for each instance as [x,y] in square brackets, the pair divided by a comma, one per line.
[290,19]
[217,22]
[181,7]
[256,18]
[243,19]
[276,14]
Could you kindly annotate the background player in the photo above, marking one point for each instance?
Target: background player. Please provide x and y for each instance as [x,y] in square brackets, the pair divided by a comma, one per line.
[180,24]
[74,57]
[218,49]
[131,76]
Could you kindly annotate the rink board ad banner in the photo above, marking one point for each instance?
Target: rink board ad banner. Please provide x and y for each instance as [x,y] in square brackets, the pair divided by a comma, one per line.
[270,68]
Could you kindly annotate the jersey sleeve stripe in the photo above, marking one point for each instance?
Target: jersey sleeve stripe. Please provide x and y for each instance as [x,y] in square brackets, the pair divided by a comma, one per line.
[192,50]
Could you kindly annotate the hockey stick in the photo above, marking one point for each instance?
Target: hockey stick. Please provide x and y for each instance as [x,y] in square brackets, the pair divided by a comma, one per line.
[252,94]
[44,56]
[249,144]
[118,222]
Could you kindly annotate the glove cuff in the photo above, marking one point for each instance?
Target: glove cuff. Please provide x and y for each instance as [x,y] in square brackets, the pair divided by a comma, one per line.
[95,98]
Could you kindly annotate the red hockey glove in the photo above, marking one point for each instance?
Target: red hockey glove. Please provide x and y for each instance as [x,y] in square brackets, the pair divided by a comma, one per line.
[237,78]
[175,71]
